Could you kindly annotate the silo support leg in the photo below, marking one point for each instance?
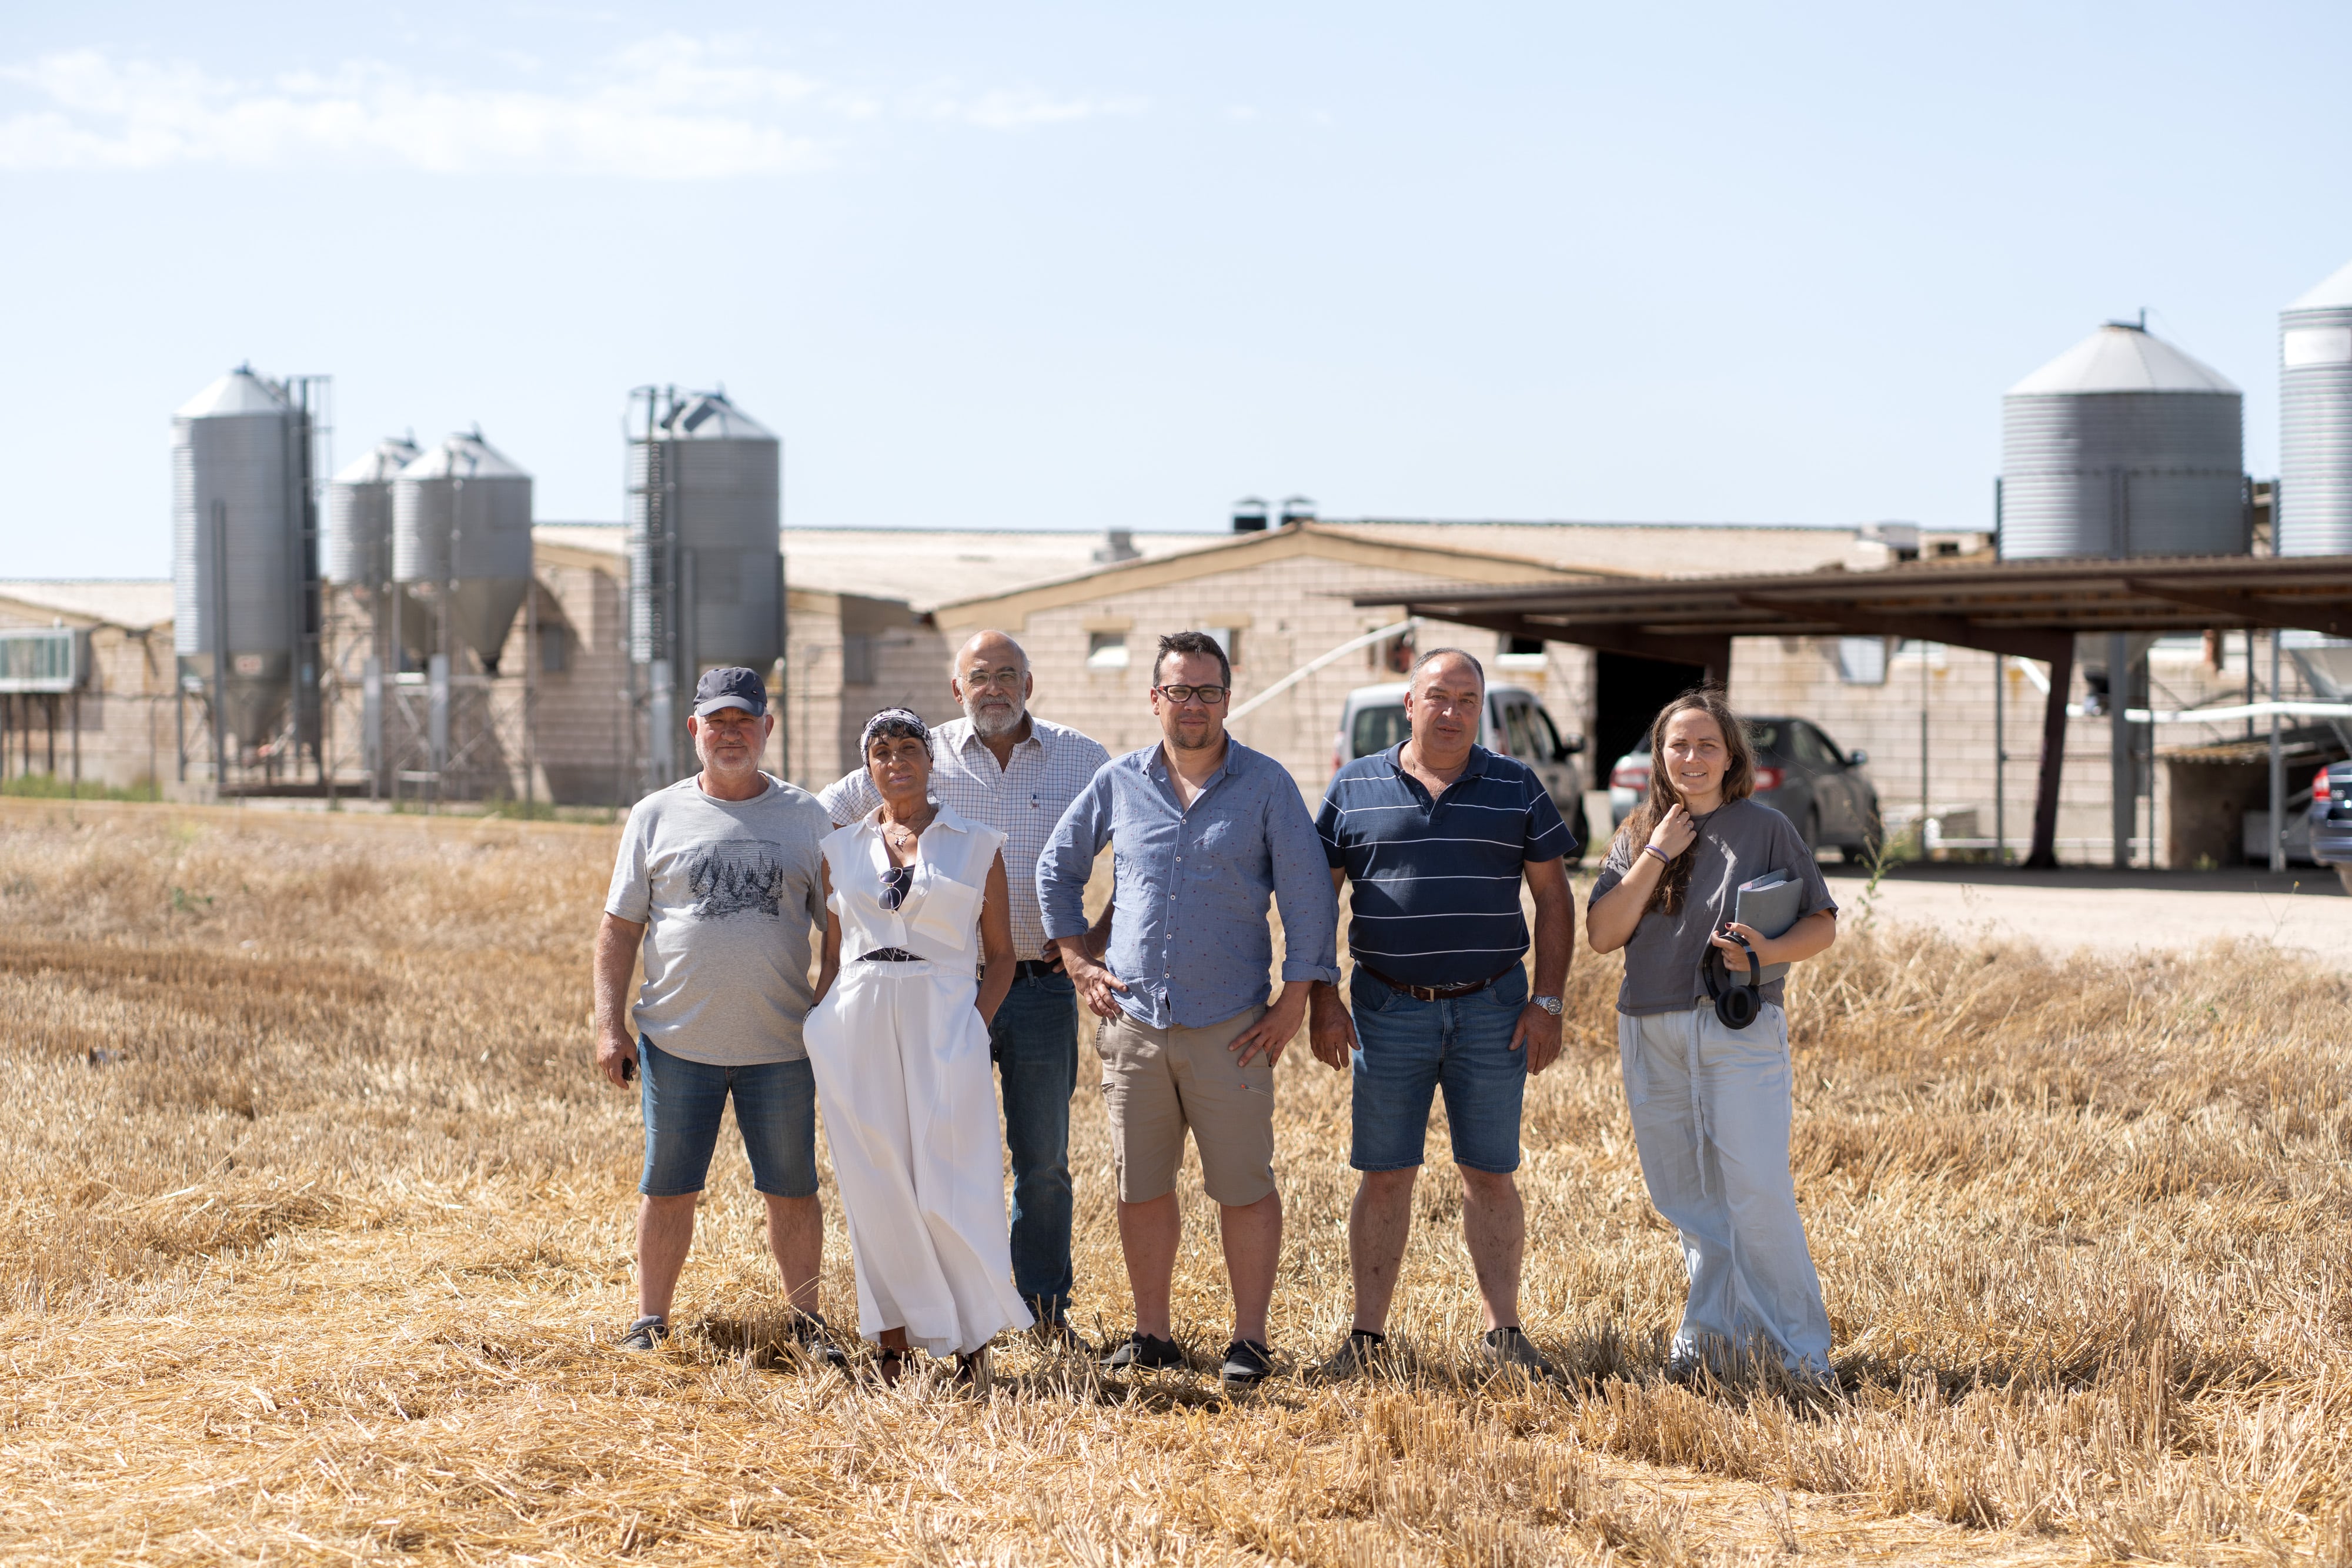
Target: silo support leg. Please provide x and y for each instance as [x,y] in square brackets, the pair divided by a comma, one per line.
[2043,855]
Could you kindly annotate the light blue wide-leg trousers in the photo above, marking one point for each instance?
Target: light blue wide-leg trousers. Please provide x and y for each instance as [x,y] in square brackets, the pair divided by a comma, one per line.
[1711,1110]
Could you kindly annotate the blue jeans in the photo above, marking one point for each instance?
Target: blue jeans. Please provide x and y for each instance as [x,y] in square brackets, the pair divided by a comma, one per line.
[1034,1039]
[1407,1050]
[775,1110]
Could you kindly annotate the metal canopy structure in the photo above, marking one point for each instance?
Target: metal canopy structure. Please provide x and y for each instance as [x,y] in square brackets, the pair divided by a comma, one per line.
[2029,609]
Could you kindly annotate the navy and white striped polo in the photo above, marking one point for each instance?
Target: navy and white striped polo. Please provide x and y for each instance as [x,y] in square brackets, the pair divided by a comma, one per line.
[1437,883]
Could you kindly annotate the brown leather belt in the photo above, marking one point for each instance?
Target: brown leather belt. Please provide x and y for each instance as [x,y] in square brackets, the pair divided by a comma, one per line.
[1433,993]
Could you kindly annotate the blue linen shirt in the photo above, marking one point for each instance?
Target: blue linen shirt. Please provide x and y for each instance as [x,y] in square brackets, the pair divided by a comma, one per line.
[1436,882]
[1189,889]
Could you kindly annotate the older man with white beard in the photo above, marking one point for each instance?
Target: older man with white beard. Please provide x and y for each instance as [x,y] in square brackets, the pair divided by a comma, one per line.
[1006,768]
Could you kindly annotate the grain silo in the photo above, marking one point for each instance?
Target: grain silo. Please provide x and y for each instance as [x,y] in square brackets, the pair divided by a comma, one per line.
[244,588]
[706,575]
[2314,502]
[2123,445]
[358,514]
[461,529]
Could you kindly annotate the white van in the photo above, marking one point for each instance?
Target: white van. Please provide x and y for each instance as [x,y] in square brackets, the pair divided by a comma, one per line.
[1515,725]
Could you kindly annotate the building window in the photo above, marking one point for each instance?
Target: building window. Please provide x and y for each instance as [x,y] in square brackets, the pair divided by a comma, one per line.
[1520,654]
[554,650]
[1229,638]
[1861,661]
[1105,650]
[857,659]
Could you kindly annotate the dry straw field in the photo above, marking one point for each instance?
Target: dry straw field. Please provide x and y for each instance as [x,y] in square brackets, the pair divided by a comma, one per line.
[318,1227]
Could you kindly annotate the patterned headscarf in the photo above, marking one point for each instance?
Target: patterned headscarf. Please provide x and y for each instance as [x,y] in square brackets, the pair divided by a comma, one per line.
[894,721]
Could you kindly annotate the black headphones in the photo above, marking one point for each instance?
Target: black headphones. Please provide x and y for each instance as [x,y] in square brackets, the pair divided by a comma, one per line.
[1737,1006]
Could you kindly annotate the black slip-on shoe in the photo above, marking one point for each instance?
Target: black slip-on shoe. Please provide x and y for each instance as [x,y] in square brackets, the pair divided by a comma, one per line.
[1141,1353]
[1508,1350]
[1356,1356]
[1247,1364]
[1056,1336]
[645,1333]
[812,1338]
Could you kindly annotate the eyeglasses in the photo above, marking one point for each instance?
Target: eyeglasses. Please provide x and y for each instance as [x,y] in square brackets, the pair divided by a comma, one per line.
[896,882]
[1209,695]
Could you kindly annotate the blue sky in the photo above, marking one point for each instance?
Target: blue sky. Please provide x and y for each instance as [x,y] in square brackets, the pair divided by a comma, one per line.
[1079,266]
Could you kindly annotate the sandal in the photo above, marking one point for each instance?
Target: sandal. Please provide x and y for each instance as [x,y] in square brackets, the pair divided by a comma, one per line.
[890,1365]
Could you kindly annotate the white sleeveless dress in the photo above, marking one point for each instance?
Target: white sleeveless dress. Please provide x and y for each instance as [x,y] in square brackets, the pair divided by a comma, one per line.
[903,1077]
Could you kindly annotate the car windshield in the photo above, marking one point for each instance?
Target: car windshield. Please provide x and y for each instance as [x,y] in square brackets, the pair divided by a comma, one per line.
[1378,728]
[1765,734]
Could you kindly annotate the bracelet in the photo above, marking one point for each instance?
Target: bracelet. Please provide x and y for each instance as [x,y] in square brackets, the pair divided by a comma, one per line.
[1663,858]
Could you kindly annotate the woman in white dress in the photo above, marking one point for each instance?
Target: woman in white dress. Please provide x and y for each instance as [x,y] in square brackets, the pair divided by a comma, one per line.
[916,903]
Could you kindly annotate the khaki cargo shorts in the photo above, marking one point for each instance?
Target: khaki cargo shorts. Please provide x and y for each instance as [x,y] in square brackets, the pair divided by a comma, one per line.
[1158,1082]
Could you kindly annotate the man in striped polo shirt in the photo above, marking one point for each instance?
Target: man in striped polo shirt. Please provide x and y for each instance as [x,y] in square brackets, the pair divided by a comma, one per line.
[1437,834]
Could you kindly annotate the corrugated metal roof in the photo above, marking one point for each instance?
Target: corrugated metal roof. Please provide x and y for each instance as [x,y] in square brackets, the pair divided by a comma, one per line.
[239,391]
[930,567]
[2122,359]
[2337,290]
[134,603]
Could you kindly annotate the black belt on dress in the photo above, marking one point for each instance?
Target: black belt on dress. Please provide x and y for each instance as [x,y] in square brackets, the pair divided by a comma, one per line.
[891,956]
[1434,993]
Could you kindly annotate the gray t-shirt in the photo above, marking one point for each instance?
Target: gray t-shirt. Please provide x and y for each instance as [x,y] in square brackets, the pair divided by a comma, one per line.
[1738,842]
[727,891]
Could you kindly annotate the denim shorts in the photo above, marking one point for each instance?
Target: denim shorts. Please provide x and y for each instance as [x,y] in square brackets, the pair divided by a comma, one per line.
[775,1110]
[1408,1048]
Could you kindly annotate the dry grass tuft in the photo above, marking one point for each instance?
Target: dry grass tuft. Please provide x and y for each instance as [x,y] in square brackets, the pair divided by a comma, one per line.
[319,1232]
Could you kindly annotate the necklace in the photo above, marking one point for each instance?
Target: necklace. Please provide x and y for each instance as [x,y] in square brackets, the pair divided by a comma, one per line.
[909,832]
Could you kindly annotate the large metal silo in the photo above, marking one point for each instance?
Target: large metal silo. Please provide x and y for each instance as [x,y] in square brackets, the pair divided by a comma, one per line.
[2123,445]
[2314,503]
[706,580]
[241,569]
[359,516]
[461,525]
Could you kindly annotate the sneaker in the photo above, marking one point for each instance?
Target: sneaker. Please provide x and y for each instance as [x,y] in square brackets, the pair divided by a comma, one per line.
[1054,1336]
[1141,1353]
[1355,1357]
[1247,1364]
[1508,1350]
[645,1333]
[812,1337]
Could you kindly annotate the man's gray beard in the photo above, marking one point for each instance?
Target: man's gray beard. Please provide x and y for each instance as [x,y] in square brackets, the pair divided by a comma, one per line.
[989,728]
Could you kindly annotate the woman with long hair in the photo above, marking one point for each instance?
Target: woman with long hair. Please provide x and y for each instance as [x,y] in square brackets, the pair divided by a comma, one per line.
[915,905]
[1710,1096]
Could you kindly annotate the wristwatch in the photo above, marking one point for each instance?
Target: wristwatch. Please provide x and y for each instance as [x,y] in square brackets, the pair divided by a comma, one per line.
[1551,1005]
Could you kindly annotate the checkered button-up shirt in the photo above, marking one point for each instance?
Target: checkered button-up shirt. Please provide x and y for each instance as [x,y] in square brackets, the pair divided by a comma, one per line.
[1023,801]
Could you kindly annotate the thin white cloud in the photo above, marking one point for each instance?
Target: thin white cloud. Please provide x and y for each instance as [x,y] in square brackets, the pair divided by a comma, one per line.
[668,108]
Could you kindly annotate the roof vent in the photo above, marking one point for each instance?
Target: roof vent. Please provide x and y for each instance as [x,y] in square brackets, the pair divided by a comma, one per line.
[1249,516]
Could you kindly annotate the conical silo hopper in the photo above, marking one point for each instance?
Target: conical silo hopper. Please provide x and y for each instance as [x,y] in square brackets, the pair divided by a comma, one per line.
[461,523]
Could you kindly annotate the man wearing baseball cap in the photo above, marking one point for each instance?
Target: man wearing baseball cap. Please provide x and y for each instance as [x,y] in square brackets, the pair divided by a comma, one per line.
[718,883]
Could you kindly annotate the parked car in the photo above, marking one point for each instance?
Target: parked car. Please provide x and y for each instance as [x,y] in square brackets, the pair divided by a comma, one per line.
[1515,725]
[2331,820]
[1799,773]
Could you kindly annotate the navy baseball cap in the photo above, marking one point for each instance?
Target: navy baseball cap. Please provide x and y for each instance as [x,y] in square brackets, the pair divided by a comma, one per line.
[730,686]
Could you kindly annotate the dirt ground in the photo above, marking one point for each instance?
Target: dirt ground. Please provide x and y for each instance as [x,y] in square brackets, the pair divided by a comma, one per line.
[2303,910]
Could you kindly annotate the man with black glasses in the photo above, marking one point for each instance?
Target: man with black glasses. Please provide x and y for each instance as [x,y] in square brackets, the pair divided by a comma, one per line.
[1005,769]
[1208,829]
